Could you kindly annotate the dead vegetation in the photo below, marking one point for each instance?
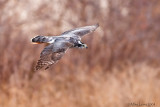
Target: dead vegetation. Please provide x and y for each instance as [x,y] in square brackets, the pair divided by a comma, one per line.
[121,65]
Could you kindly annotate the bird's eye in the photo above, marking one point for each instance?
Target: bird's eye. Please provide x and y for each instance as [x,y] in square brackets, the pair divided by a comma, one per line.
[79,45]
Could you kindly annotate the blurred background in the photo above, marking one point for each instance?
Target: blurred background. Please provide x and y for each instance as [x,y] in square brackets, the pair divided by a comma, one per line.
[120,67]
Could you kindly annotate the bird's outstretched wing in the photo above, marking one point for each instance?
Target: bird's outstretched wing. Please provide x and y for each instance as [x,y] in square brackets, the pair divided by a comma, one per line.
[52,53]
[80,31]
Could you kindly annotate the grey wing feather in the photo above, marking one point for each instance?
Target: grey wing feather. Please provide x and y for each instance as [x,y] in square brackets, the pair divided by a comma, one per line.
[45,57]
[52,53]
[80,31]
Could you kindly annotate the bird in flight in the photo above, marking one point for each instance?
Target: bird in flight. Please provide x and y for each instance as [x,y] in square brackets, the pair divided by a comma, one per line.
[58,45]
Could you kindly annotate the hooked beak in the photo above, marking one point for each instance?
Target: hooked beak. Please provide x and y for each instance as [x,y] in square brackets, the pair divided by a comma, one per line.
[85,46]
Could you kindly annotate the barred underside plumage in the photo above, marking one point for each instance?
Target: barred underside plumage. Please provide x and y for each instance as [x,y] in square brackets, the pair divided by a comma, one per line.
[50,55]
[49,60]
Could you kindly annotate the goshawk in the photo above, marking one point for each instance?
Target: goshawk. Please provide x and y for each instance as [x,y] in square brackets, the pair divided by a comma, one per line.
[58,45]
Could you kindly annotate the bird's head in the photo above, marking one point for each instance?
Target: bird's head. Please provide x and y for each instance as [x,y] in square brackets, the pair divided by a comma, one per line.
[85,46]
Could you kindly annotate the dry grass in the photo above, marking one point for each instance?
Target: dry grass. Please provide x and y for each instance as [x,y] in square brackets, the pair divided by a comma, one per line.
[138,83]
[121,65]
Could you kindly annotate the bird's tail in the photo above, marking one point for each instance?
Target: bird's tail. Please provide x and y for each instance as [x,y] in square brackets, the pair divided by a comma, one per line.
[40,39]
